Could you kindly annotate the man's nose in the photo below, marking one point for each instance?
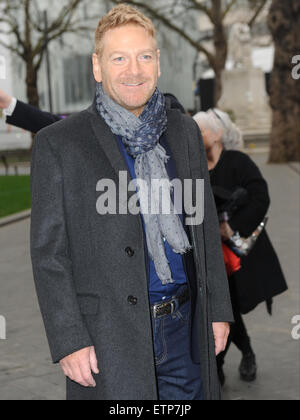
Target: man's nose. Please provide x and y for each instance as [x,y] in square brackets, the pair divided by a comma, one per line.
[134,67]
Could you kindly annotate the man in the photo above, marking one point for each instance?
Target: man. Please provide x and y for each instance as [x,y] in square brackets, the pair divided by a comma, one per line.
[130,311]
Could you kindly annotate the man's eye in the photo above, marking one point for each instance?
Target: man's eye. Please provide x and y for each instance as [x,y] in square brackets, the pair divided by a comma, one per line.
[146,57]
[118,59]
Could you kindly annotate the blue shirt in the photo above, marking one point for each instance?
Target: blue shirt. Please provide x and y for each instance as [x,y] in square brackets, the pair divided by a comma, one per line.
[158,291]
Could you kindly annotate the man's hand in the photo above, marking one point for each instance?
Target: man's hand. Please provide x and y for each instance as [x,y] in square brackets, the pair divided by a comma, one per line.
[5,100]
[226,231]
[80,365]
[221,332]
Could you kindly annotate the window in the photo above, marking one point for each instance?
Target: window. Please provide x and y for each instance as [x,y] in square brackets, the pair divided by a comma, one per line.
[78,79]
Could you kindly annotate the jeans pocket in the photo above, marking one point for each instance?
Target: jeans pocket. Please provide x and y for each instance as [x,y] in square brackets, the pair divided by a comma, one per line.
[183,313]
[160,345]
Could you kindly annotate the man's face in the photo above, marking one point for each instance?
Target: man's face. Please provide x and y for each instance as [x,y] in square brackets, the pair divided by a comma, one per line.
[129,66]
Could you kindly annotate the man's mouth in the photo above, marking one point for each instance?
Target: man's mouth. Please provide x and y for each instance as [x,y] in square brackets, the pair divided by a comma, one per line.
[132,84]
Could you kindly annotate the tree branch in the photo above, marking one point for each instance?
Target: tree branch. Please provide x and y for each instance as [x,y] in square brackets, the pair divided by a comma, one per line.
[62,28]
[39,62]
[156,15]
[13,28]
[11,48]
[228,8]
[257,12]
[66,12]
[196,5]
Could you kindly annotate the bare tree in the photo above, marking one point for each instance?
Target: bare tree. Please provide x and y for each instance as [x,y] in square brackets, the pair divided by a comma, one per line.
[173,13]
[22,21]
[284,23]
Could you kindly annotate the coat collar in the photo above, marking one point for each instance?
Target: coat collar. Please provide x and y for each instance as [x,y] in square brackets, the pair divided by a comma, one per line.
[175,137]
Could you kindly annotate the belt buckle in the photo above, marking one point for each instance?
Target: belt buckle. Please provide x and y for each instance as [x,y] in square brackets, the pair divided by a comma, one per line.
[173,306]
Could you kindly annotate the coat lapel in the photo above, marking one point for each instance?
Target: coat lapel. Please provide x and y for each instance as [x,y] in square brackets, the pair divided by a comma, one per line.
[175,137]
[107,141]
[109,145]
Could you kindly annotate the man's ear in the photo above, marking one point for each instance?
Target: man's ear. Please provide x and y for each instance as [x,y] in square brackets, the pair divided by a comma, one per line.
[97,68]
[158,63]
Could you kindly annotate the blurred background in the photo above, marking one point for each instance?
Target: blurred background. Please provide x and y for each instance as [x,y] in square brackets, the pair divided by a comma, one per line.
[242,56]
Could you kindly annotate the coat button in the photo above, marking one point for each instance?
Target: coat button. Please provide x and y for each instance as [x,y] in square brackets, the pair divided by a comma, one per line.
[132,300]
[129,251]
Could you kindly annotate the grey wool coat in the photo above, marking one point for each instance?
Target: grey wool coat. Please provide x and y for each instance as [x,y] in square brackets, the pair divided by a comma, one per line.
[84,277]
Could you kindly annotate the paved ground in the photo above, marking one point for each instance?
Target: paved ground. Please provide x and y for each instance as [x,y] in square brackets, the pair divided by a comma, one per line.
[26,372]
[21,170]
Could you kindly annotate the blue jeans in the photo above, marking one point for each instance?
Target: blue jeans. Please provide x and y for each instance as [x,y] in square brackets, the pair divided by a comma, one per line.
[178,377]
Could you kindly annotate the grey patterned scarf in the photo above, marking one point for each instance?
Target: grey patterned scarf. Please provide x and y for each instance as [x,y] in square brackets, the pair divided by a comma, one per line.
[141,139]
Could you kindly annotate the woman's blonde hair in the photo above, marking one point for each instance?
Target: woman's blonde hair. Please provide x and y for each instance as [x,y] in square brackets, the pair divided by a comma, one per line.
[121,15]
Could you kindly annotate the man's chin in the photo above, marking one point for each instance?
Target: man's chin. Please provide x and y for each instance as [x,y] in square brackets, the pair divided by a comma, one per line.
[132,102]
[135,107]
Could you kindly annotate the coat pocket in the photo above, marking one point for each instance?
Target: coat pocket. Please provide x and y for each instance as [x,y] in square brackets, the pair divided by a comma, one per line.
[88,304]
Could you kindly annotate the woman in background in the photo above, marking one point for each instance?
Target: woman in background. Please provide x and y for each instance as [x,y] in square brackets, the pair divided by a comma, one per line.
[260,277]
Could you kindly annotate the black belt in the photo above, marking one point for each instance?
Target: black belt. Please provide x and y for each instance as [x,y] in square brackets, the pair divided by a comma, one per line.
[168,308]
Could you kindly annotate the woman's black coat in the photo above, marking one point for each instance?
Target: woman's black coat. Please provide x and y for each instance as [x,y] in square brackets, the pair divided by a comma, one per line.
[261,277]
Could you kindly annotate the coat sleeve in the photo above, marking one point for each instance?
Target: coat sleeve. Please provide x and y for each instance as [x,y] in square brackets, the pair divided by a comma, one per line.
[30,118]
[217,281]
[248,176]
[50,255]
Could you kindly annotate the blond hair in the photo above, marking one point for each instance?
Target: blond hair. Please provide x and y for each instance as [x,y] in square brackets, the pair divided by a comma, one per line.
[121,15]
